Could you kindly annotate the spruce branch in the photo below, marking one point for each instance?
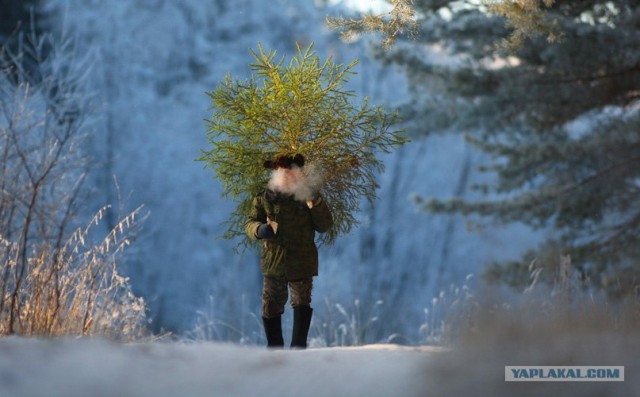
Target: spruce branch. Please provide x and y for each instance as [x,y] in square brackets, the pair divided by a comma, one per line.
[527,19]
[400,19]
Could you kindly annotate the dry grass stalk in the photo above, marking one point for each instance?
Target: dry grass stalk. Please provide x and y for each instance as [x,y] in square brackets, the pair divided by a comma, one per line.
[76,290]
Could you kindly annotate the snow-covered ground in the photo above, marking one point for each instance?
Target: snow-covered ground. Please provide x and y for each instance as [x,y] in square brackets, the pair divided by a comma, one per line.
[473,368]
[69,368]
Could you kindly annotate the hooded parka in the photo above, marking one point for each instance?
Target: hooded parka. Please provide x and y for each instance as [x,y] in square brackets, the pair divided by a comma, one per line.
[292,253]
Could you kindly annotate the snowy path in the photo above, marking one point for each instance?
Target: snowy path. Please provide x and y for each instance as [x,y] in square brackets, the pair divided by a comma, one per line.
[69,368]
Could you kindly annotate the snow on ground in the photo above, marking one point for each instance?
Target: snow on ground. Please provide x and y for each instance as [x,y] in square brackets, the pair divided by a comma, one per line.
[472,367]
[70,367]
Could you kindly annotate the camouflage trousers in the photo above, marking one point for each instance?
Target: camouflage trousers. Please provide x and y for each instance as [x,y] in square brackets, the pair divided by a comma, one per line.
[275,295]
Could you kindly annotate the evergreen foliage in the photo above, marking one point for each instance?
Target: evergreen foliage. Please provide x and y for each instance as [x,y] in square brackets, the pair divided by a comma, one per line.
[298,108]
[391,24]
[525,18]
[560,123]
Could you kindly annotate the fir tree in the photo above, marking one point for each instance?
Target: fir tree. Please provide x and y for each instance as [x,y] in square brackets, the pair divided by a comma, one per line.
[559,121]
[298,108]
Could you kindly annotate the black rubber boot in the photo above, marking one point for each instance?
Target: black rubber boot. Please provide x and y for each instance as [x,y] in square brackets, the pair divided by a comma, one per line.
[273,332]
[301,321]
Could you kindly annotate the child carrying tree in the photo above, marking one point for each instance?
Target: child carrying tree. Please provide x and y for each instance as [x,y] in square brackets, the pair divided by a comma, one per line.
[286,216]
[301,119]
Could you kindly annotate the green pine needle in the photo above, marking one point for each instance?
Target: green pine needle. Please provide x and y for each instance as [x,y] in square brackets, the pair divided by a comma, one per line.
[299,107]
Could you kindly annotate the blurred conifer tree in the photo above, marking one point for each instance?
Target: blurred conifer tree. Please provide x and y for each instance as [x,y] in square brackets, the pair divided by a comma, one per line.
[558,119]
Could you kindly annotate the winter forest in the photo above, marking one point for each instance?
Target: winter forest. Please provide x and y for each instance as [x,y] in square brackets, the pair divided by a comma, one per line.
[511,194]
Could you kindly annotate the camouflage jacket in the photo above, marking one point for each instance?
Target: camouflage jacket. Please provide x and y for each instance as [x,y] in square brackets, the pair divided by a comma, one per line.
[292,253]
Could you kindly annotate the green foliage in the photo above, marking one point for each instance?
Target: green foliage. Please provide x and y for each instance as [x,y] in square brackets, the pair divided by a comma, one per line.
[301,107]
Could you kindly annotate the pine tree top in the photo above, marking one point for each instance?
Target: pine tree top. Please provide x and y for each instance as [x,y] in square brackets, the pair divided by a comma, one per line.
[297,108]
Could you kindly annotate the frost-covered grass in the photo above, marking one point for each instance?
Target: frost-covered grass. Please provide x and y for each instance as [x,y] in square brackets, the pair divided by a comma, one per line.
[332,325]
[449,312]
[75,289]
[563,324]
[347,325]
[550,331]
[336,324]
[210,327]
[55,280]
